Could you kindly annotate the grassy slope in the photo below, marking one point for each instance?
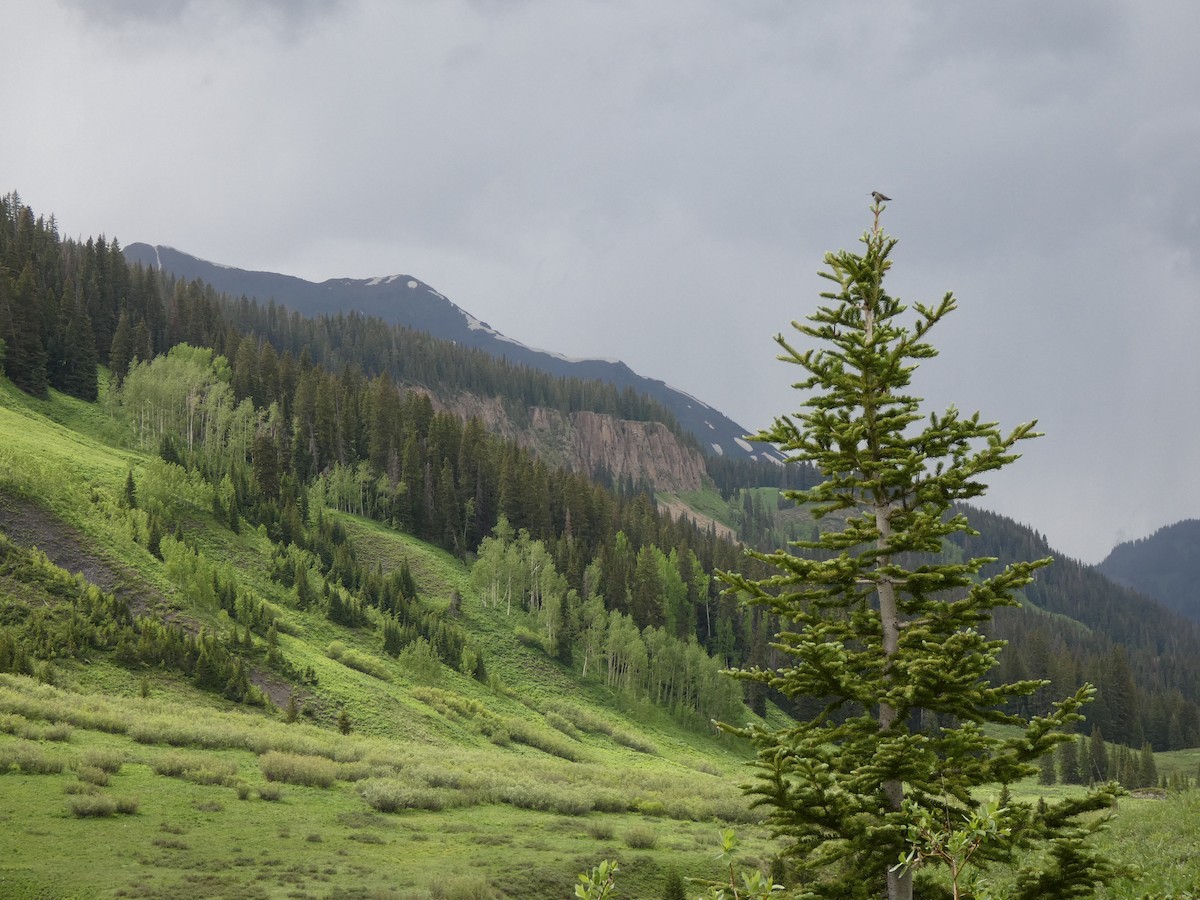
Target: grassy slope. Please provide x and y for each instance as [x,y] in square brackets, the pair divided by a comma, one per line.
[519,816]
[488,818]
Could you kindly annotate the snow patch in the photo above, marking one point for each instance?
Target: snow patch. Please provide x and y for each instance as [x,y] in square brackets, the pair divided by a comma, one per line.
[720,451]
[710,425]
[744,444]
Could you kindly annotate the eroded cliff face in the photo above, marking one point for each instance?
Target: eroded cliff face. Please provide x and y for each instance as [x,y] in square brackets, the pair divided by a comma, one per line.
[591,443]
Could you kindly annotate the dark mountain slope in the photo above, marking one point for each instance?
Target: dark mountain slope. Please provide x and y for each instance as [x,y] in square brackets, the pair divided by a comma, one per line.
[404,300]
[1165,565]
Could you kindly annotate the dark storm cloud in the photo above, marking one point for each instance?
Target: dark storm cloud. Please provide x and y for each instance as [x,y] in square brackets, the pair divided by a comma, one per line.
[659,182]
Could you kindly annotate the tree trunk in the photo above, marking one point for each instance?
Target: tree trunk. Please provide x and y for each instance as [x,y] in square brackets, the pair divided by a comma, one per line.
[899,883]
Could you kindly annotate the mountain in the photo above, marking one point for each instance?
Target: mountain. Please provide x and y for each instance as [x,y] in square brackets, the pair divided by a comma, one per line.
[408,301]
[1164,565]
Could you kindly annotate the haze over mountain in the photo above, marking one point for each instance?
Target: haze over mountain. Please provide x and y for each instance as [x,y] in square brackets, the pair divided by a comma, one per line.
[1164,566]
[408,301]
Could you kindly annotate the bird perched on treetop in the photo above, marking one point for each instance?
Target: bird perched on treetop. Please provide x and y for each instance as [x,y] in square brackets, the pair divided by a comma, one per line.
[879,198]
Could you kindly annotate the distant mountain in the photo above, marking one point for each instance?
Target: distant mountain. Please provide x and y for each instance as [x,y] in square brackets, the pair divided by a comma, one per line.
[1165,565]
[408,301]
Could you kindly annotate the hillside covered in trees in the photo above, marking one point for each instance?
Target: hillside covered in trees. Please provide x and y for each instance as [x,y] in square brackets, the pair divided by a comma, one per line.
[264,417]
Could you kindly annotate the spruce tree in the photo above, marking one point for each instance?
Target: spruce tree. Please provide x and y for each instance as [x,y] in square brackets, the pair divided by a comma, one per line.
[882,632]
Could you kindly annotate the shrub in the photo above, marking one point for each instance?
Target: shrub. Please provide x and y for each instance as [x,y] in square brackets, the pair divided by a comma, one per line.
[92,775]
[641,838]
[271,792]
[291,768]
[127,806]
[556,721]
[91,806]
[634,742]
[391,795]
[57,731]
[100,758]
[547,741]
[30,759]
[243,790]
[360,661]
[79,787]
[601,831]
[196,768]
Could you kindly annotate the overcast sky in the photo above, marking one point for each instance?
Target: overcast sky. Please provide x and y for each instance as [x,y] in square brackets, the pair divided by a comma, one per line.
[658,182]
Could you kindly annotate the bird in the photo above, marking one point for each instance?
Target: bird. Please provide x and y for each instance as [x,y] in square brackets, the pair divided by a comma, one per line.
[879,198]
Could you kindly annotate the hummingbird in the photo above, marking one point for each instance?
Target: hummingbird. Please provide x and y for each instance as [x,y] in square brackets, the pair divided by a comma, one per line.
[879,198]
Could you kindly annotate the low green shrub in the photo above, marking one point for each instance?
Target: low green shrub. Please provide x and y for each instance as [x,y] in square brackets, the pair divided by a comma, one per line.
[291,768]
[641,838]
[392,795]
[270,792]
[102,758]
[92,806]
[634,742]
[558,722]
[30,759]
[92,775]
[350,657]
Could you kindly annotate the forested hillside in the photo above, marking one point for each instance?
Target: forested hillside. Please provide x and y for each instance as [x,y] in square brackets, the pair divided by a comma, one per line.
[407,301]
[1165,565]
[263,433]
[262,412]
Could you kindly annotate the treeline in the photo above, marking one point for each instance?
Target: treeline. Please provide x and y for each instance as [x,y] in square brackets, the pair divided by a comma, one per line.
[417,359]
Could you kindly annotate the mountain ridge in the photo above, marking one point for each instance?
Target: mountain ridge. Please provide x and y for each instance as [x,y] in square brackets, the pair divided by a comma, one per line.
[1163,565]
[402,299]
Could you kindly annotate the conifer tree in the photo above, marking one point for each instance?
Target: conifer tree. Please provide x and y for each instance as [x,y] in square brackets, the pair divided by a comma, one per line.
[880,633]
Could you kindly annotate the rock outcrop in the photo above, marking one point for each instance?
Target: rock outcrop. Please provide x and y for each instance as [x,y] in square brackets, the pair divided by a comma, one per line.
[593,443]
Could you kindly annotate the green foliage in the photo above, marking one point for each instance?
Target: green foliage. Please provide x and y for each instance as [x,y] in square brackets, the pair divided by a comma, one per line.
[599,883]
[293,768]
[881,646]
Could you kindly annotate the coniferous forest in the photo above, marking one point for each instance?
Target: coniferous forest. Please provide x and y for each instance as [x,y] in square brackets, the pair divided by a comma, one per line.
[259,410]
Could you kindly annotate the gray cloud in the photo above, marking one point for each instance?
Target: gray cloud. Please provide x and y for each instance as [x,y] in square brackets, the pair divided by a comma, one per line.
[659,182]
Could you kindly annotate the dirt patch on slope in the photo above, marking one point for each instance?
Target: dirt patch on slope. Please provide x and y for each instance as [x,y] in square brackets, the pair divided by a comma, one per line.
[29,525]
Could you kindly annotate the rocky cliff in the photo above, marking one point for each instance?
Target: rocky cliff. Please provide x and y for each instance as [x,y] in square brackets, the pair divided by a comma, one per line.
[592,443]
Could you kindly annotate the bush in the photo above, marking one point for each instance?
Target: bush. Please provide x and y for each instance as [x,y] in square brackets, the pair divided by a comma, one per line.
[601,831]
[30,759]
[92,806]
[196,768]
[391,795]
[57,731]
[641,838]
[556,721]
[271,792]
[92,775]
[291,768]
[100,758]
[353,659]
[634,742]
